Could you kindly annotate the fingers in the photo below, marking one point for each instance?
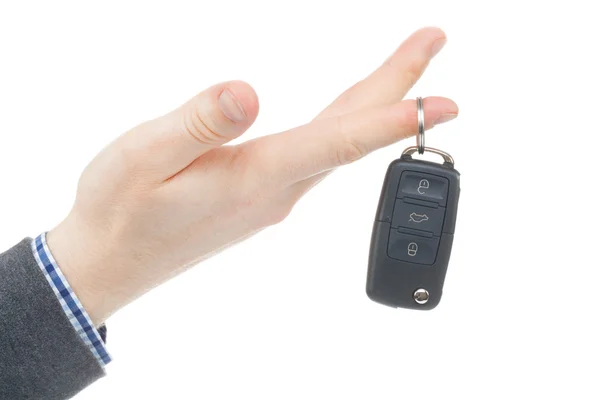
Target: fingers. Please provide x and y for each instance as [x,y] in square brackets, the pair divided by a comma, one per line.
[392,80]
[388,84]
[322,145]
[170,143]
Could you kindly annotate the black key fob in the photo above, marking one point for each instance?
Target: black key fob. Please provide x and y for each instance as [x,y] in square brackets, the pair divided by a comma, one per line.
[413,232]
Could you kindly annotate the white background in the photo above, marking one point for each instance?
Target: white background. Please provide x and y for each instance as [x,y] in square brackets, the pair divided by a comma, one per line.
[285,315]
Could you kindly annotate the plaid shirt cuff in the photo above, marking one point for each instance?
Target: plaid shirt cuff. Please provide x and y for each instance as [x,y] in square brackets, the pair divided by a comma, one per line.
[70,303]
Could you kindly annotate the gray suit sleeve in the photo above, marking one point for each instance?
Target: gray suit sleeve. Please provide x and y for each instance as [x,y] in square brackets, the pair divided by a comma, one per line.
[41,354]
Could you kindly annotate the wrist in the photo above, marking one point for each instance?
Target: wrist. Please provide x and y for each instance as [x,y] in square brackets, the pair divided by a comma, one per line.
[77,257]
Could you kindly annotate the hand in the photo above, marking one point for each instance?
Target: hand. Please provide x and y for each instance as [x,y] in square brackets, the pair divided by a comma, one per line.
[167,194]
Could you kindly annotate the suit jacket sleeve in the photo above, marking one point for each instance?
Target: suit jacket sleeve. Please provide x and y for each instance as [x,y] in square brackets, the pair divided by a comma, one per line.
[41,355]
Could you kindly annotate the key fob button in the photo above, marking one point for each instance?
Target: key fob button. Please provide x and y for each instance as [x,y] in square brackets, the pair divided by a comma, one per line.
[411,248]
[423,186]
[418,217]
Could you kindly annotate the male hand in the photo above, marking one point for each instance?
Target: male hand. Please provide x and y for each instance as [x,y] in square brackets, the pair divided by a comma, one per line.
[167,193]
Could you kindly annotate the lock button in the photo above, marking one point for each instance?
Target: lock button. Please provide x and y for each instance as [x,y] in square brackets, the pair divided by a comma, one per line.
[412,248]
[424,187]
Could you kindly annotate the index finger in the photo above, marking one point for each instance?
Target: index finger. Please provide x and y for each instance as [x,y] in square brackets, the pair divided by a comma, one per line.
[322,145]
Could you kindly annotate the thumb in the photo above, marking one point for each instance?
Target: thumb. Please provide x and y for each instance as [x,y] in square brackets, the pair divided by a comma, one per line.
[172,142]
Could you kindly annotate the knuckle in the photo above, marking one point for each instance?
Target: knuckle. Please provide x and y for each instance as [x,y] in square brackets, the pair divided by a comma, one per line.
[264,206]
[390,64]
[251,168]
[349,151]
[243,156]
[349,96]
[257,164]
[130,157]
[201,127]
[276,215]
[406,74]
[414,70]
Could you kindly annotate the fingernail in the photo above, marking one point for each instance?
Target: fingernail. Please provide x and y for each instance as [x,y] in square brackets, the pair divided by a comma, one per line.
[437,46]
[231,107]
[445,118]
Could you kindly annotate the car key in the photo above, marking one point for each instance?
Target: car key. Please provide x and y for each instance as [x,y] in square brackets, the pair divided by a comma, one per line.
[414,228]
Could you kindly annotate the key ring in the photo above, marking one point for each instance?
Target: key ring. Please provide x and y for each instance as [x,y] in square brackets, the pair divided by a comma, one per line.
[409,151]
[420,147]
[421,124]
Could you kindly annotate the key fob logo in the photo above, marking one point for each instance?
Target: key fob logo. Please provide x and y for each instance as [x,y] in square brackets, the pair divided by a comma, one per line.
[412,249]
[423,186]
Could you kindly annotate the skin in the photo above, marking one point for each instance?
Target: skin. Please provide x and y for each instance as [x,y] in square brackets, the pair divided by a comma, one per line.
[168,193]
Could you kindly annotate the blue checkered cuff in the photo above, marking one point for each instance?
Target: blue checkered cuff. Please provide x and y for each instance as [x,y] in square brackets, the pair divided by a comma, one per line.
[68,300]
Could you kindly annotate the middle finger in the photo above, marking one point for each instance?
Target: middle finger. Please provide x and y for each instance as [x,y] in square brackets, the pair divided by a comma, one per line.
[394,78]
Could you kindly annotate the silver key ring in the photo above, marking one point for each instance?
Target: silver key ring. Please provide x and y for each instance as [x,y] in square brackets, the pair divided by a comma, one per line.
[413,149]
[420,147]
[421,123]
